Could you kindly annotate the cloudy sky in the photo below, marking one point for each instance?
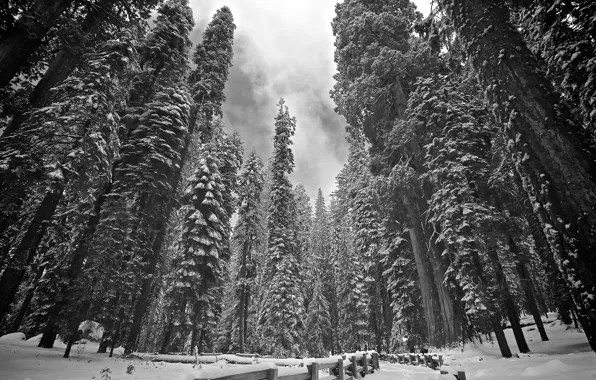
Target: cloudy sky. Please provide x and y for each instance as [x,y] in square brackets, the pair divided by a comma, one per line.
[284,48]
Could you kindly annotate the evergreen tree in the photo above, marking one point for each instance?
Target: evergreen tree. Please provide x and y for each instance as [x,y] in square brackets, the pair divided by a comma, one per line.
[246,236]
[283,309]
[557,173]
[60,149]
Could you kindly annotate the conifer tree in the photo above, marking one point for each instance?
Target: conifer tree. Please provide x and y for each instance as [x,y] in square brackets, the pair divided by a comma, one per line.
[246,236]
[124,238]
[60,148]
[283,308]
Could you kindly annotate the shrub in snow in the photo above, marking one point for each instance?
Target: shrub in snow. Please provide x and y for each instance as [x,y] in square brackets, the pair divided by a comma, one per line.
[106,374]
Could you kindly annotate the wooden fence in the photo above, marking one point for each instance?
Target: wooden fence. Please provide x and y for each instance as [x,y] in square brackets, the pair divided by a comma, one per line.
[342,369]
[434,361]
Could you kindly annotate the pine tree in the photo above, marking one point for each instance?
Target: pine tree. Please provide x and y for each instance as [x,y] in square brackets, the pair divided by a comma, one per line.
[283,309]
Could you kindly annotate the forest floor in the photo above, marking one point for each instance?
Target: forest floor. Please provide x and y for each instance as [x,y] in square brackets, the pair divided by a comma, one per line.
[566,356]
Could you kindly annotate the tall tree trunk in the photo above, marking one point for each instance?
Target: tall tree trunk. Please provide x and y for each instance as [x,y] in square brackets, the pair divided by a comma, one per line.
[167,337]
[241,319]
[528,288]
[512,312]
[23,38]
[25,252]
[148,280]
[562,296]
[495,315]
[449,314]
[74,267]
[545,140]
[425,278]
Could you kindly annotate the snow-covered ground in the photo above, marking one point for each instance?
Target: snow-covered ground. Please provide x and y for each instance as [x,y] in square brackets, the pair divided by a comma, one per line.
[567,356]
[20,360]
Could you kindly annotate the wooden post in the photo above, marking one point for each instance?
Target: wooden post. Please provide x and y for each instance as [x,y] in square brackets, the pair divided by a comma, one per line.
[440,360]
[365,363]
[314,371]
[272,374]
[461,374]
[340,369]
[354,366]
[375,360]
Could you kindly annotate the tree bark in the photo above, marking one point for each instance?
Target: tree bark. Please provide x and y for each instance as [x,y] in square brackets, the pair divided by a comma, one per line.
[545,141]
[512,312]
[425,278]
[22,39]
[166,339]
[528,288]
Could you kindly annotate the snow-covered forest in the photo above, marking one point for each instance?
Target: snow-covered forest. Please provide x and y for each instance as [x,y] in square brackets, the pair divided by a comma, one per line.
[467,201]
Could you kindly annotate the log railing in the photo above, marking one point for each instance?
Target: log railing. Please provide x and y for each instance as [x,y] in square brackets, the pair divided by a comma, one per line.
[342,369]
[434,361]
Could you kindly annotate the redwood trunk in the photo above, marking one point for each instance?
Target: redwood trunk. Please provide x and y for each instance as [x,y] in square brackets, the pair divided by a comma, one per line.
[508,302]
[545,141]
[425,280]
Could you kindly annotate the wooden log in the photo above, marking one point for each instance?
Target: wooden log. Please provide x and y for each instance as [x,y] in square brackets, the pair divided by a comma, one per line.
[354,367]
[365,364]
[340,369]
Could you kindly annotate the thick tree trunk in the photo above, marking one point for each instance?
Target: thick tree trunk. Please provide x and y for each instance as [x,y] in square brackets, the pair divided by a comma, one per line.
[495,320]
[145,297]
[25,252]
[545,141]
[425,279]
[106,339]
[22,39]
[74,267]
[508,302]
[451,319]
[166,338]
[48,337]
[526,283]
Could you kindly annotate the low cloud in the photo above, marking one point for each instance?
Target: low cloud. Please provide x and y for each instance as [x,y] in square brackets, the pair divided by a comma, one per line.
[284,48]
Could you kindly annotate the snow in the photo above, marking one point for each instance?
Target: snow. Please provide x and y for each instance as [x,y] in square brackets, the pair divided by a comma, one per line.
[567,356]
[12,337]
